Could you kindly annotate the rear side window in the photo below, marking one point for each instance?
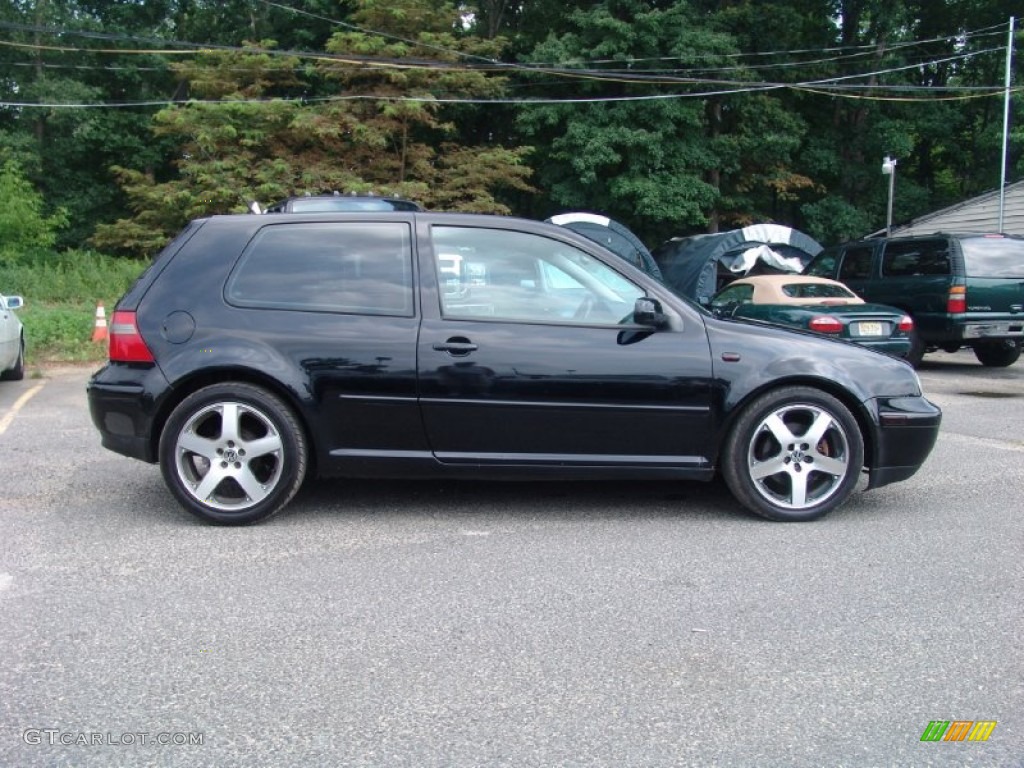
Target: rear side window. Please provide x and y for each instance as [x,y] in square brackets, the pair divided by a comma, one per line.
[856,263]
[817,291]
[352,267]
[915,258]
[993,257]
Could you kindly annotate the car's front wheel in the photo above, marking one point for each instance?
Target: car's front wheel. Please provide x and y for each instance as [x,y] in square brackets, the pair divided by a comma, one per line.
[997,354]
[233,453]
[793,454]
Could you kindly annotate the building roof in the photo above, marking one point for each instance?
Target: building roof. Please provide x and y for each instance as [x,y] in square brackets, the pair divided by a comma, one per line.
[979,214]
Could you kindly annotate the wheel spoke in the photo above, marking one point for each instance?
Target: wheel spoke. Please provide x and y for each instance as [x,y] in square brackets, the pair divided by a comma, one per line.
[210,482]
[822,422]
[255,490]
[830,466]
[798,492]
[778,428]
[773,466]
[261,447]
[230,414]
[191,442]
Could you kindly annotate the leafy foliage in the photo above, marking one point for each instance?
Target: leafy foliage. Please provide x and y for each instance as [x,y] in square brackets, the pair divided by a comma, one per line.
[359,96]
[23,224]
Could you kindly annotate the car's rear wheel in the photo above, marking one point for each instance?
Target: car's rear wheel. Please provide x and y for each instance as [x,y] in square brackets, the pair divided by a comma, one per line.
[17,372]
[794,454]
[997,354]
[233,453]
[916,353]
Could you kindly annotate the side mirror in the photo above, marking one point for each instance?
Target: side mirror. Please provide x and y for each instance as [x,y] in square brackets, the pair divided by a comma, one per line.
[647,311]
[15,302]
[255,207]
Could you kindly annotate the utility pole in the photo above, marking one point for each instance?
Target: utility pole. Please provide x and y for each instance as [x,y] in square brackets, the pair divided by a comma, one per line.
[1006,124]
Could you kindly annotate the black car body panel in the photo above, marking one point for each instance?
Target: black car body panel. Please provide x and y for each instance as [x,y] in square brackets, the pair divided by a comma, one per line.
[409,391]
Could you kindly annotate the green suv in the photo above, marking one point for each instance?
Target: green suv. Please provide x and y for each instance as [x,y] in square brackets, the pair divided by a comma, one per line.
[961,290]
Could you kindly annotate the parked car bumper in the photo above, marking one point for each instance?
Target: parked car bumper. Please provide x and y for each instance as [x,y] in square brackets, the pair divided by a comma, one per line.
[906,431]
[895,347]
[123,401]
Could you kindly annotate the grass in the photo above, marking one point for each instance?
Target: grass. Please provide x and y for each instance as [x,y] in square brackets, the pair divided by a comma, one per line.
[61,291]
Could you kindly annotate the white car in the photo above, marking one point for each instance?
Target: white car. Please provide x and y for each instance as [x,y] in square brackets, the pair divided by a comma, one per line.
[12,339]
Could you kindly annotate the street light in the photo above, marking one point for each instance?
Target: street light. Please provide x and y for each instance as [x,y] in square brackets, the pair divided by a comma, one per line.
[889,169]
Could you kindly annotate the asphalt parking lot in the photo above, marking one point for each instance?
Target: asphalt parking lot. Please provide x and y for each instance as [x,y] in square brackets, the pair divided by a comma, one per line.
[462,624]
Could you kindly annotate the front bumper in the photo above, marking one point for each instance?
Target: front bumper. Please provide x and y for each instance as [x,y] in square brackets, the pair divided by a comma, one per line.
[906,429]
[123,401]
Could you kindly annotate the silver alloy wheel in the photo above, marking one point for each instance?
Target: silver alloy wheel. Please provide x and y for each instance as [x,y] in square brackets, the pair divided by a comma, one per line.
[229,456]
[798,456]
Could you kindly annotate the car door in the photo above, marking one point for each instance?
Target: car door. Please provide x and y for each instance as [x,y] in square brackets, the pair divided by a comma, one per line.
[528,354]
[857,269]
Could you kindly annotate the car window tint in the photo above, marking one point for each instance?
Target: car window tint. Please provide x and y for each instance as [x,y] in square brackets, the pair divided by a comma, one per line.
[504,275]
[993,257]
[916,257]
[856,263]
[734,294]
[817,291]
[352,267]
[320,205]
[824,265]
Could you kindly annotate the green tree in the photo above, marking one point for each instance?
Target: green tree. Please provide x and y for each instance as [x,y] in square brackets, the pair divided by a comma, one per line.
[23,224]
[385,131]
[648,148]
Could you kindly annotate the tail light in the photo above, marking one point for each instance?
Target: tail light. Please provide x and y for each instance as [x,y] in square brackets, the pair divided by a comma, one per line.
[956,302]
[126,343]
[825,324]
[906,324]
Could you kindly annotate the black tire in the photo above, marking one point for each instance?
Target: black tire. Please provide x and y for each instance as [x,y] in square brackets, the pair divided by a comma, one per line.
[916,353]
[17,373]
[997,354]
[211,465]
[810,480]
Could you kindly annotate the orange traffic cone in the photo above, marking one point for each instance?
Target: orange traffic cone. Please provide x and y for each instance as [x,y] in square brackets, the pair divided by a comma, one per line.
[99,331]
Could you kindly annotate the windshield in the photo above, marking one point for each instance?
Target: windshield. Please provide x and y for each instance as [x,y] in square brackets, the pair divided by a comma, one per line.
[993,256]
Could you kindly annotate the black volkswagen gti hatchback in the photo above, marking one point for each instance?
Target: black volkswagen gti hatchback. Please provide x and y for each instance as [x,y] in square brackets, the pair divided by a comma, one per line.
[259,349]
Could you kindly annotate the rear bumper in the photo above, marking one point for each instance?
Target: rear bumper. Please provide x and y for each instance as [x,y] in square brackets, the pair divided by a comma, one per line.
[906,431]
[123,404]
[996,329]
[894,347]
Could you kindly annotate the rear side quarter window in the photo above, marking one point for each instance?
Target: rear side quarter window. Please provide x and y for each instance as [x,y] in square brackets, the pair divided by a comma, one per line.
[916,258]
[347,267]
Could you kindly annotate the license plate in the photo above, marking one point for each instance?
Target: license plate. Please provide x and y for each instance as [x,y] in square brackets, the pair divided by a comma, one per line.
[869,329]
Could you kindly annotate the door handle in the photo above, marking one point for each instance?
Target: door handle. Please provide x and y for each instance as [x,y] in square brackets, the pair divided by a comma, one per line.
[456,346]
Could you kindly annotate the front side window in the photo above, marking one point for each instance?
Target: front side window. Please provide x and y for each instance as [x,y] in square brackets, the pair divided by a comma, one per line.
[823,265]
[916,258]
[351,267]
[856,263]
[505,275]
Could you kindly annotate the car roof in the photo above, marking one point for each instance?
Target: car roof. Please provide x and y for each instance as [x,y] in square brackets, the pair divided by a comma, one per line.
[339,202]
[768,289]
